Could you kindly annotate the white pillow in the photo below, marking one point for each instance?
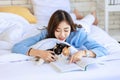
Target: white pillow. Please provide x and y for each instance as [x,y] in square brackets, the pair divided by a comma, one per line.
[7,20]
[12,34]
[43,9]
[104,39]
[43,44]
[13,27]
[5,45]
[3,25]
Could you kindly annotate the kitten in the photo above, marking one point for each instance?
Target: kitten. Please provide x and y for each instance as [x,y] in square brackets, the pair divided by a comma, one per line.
[60,48]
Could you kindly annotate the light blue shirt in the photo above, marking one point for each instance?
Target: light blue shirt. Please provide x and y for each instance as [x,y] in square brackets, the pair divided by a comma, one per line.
[79,39]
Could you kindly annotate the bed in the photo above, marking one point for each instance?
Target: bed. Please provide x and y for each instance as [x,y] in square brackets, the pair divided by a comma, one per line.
[14,28]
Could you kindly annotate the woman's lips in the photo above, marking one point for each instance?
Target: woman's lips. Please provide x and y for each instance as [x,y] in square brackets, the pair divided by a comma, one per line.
[62,39]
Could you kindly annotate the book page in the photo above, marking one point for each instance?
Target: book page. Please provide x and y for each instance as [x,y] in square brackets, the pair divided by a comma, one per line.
[64,66]
[84,62]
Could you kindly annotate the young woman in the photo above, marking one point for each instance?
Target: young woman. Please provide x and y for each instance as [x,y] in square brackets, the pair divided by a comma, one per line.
[61,26]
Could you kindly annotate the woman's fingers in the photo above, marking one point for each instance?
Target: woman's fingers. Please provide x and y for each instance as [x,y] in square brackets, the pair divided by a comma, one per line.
[51,57]
[74,59]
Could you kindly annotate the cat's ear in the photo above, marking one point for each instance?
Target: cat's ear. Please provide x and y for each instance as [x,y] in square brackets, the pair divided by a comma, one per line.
[67,46]
[57,43]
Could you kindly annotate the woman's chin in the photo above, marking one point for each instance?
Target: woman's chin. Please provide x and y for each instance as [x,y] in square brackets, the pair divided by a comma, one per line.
[62,39]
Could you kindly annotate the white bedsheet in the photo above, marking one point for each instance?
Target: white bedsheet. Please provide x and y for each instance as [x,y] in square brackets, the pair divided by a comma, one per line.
[28,70]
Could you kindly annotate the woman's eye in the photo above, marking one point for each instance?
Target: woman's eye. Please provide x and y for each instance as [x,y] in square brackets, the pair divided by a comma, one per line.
[57,30]
[66,30]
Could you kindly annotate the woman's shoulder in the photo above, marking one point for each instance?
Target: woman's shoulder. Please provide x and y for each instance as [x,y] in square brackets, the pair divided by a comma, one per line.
[43,32]
[79,31]
[78,37]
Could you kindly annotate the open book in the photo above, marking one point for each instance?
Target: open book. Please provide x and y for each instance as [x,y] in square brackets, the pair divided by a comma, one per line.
[65,66]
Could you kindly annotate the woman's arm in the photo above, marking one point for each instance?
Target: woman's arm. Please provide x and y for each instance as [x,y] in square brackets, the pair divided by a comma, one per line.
[95,47]
[82,41]
[24,46]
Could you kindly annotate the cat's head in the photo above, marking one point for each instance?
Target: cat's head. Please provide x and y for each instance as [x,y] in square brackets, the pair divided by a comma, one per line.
[59,47]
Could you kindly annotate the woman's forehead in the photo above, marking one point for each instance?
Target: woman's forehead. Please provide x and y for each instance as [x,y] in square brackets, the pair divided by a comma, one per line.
[63,24]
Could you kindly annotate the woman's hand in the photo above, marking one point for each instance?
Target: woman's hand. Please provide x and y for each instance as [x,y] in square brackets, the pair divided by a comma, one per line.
[77,56]
[48,56]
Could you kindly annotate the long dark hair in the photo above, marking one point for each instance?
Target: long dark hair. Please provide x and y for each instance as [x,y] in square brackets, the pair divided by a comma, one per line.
[57,17]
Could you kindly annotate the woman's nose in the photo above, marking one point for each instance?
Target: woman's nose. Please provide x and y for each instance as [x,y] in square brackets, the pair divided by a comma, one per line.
[62,34]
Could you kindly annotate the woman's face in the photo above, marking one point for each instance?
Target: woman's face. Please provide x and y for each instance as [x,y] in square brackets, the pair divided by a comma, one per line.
[62,31]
